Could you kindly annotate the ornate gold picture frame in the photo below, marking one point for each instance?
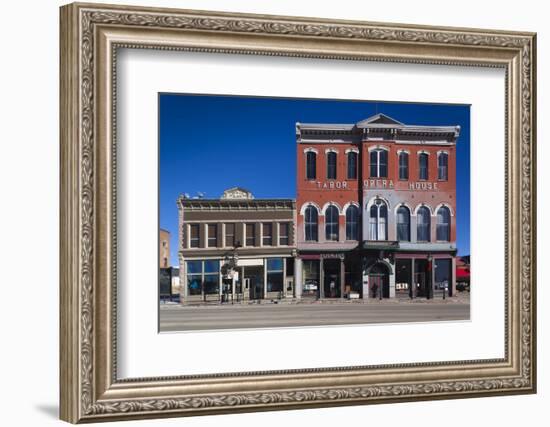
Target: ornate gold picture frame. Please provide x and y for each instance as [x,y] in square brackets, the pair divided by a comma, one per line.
[90,388]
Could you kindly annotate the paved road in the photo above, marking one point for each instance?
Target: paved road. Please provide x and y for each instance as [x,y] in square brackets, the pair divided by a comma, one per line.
[177,318]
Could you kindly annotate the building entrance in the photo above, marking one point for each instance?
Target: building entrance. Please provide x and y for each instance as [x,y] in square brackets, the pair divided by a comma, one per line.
[332,278]
[254,282]
[379,283]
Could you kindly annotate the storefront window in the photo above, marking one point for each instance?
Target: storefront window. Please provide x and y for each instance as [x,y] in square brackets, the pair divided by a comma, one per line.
[311,278]
[203,277]
[275,275]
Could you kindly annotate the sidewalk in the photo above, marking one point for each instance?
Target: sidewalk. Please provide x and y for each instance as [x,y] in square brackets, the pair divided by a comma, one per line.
[460,298]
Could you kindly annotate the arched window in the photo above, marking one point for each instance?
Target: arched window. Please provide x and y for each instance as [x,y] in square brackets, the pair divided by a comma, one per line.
[311,223]
[379,163]
[352,165]
[331,223]
[403,166]
[378,221]
[352,223]
[442,166]
[443,229]
[423,224]
[423,166]
[331,165]
[403,224]
[311,165]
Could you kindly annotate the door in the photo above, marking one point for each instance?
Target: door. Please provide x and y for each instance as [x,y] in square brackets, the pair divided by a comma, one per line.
[379,283]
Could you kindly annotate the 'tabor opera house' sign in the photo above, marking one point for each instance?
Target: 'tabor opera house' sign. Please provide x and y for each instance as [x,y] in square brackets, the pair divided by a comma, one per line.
[377,184]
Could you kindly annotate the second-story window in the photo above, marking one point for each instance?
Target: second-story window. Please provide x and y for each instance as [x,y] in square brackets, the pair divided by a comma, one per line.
[267,234]
[443,228]
[283,234]
[423,166]
[378,221]
[352,165]
[423,224]
[331,223]
[250,235]
[331,165]
[311,223]
[403,166]
[194,231]
[442,166]
[311,165]
[230,235]
[212,235]
[352,223]
[379,163]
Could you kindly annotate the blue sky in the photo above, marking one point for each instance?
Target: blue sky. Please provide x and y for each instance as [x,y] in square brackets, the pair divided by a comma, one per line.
[209,143]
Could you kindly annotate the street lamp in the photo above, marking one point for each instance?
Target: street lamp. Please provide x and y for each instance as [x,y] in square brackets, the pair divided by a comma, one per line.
[229,268]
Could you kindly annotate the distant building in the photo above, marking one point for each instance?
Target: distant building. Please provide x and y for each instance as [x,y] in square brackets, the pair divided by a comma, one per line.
[236,248]
[164,248]
[376,209]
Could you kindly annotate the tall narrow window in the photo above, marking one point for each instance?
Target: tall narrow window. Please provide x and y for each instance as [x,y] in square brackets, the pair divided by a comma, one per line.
[194,230]
[423,166]
[403,166]
[442,166]
[250,234]
[352,223]
[443,229]
[212,235]
[378,221]
[352,165]
[311,165]
[283,234]
[423,224]
[403,224]
[267,234]
[378,163]
[331,223]
[311,223]
[331,165]
[230,235]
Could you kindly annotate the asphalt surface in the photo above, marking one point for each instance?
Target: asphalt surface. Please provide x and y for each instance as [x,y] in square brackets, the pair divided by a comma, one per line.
[178,318]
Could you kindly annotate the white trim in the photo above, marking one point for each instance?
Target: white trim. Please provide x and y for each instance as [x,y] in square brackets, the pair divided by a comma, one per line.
[348,204]
[397,206]
[442,152]
[327,204]
[331,150]
[443,205]
[402,150]
[378,147]
[352,150]
[305,206]
[425,205]
[372,199]
[419,152]
[308,149]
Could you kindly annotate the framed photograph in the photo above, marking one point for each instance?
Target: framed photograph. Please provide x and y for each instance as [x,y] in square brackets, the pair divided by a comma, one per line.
[267,212]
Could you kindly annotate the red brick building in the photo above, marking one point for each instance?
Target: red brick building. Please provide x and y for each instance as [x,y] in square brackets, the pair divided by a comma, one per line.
[376,209]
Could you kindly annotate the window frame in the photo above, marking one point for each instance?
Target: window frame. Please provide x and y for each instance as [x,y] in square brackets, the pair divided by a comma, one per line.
[356,209]
[312,226]
[440,155]
[329,155]
[333,224]
[422,155]
[428,225]
[355,163]
[313,165]
[404,154]
[378,150]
